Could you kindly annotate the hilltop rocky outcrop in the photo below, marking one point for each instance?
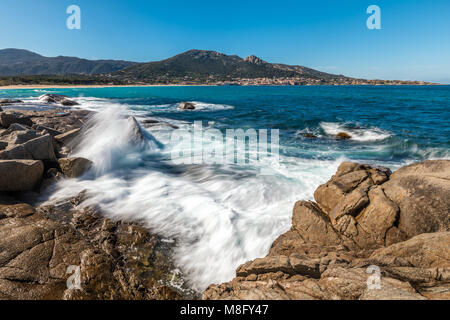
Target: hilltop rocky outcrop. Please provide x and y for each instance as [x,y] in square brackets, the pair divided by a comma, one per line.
[364,220]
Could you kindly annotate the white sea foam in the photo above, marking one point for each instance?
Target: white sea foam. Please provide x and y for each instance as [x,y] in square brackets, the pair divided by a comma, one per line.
[220,216]
[358,134]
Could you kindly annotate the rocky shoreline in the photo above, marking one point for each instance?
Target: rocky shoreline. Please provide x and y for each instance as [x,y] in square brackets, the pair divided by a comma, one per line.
[364,221]
[364,217]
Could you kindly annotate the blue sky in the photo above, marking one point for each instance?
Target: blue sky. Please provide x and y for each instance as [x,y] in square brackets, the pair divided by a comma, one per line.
[414,42]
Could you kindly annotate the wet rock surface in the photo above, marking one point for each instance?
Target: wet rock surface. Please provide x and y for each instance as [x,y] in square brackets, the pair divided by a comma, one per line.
[365,222]
[186,106]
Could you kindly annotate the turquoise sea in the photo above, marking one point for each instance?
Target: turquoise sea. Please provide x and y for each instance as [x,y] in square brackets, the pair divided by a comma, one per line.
[221,215]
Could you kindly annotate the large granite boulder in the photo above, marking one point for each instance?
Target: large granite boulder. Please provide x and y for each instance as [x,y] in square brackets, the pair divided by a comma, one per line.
[363,217]
[41,148]
[186,106]
[136,134]
[57,98]
[428,250]
[9,101]
[40,249]
[46,129]
[51,98]
[7,118]
[20,175]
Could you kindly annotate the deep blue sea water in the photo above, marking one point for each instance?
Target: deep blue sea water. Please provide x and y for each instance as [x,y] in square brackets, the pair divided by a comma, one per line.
[223,215]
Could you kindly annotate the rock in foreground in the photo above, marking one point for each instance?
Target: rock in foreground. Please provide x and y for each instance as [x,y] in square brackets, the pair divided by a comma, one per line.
[57,98]
[364,219]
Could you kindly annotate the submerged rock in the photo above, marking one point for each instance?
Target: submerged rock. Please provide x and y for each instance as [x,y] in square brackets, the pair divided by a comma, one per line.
[186,106]
[362,216]
[421,192]
[67,136]
[9,101]
[137,135]
[151,122]
[20,175]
